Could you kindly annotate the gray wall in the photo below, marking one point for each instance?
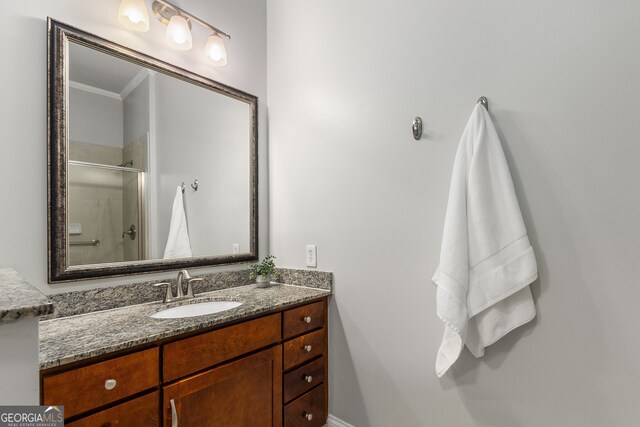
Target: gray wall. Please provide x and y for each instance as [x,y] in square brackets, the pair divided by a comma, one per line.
[18,362]
[136,131]
[24,112]
[345,80]
[136,115]
[95,119]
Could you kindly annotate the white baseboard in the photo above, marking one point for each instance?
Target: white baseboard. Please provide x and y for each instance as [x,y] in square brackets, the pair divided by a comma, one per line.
[333,421]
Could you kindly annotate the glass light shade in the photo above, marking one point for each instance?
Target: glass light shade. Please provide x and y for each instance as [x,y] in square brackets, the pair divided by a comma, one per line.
[133,15]
[178,33]
[216,51]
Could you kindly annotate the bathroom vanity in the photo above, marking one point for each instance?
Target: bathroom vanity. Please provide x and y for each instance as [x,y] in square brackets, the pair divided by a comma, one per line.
[261,364]
[105,358]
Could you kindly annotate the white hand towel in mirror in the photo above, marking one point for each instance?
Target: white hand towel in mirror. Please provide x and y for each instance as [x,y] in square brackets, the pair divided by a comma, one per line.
[486,261]
[178,245]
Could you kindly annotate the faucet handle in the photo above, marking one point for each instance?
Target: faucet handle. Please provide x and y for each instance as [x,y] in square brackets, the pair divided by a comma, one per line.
[190,286]
[168,297]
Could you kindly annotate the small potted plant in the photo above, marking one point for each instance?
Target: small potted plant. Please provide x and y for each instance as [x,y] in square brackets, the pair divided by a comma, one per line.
[263,271]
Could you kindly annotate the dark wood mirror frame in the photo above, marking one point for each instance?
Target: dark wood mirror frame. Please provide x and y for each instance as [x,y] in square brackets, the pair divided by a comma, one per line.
[58,270]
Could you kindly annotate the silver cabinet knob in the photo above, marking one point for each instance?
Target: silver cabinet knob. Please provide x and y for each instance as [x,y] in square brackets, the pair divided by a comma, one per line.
[308,378]
[110,384]
[308,348]
[307,319]
[308,416]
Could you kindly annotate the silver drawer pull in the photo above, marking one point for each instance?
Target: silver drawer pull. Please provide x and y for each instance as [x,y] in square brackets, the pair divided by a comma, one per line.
[174,414]
[308,348]
[308,378]
[308,416]
[307,319]
[110,384]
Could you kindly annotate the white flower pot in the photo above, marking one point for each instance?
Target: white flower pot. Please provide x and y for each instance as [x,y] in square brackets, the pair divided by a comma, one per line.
[263,281]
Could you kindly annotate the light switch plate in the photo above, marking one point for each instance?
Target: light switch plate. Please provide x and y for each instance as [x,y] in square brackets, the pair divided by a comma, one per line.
[311,254]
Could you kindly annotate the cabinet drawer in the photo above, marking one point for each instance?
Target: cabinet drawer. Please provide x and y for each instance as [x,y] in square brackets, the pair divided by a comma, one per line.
[140,412]
[308,410]
[301,349]
[193,354]
[303,379]
[302,319]
[85,388]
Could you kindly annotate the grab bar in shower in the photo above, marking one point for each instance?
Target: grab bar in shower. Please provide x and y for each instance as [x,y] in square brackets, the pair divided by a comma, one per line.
[94,242]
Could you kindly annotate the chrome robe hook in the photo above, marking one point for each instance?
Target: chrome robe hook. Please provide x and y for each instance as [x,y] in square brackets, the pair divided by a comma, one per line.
[417,128]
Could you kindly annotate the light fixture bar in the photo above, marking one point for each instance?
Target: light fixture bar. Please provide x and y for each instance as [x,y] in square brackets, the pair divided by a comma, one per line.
[164,17]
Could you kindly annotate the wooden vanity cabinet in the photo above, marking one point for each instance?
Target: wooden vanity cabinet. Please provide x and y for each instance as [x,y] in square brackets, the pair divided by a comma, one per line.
[265,372]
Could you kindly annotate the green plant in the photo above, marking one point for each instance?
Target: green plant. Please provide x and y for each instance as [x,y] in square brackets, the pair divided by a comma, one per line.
[266,268]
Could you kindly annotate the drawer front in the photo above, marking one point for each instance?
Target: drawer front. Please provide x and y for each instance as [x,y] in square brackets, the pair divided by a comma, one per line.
[140,412]
[301,349]
[193,354]
[91,386]
[307,411]
[302,319]
[303,379]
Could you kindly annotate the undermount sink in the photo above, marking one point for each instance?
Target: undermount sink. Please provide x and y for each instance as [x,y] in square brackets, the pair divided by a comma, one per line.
[197,309]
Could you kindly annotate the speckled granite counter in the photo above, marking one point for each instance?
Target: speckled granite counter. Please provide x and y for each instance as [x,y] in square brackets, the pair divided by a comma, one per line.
[69,339]
[18,299]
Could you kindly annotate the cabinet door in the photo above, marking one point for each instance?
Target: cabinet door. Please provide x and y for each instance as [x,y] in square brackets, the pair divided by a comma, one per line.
[244,393]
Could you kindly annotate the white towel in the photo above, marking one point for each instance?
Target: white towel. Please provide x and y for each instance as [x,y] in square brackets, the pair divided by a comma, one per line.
[178,245]
[486,261]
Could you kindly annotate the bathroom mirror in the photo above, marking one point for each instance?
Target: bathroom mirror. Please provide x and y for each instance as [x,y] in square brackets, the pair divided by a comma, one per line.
[125,132]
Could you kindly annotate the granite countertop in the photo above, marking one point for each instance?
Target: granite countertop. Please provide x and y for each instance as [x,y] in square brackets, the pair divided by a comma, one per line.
[70,339]
[18,299]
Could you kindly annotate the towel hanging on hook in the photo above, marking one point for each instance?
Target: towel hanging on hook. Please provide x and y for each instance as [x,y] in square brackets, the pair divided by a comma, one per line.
[182,186]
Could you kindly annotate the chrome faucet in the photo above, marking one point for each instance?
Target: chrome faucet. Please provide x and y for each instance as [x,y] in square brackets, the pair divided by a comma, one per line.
[183,275]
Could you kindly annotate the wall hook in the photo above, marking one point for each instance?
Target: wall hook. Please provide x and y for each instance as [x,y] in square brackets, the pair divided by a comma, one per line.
[484,101]
[182,186]
[195,185]
[417,128]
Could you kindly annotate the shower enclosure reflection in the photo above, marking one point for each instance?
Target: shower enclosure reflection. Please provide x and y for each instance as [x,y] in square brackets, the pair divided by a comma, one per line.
[104,208]
[109,134]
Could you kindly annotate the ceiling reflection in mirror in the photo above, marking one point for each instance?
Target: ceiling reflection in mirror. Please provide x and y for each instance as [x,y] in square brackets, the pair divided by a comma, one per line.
[160,164]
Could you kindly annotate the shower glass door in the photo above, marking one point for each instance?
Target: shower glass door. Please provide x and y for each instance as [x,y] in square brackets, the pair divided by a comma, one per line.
[105,213]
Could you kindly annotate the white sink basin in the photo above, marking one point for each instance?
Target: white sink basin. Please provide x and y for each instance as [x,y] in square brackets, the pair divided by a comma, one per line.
[198,309]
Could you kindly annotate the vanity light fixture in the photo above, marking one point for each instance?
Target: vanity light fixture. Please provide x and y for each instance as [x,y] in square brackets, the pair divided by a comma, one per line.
[179,33]
[134,12]
[133,15]
[215,50]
